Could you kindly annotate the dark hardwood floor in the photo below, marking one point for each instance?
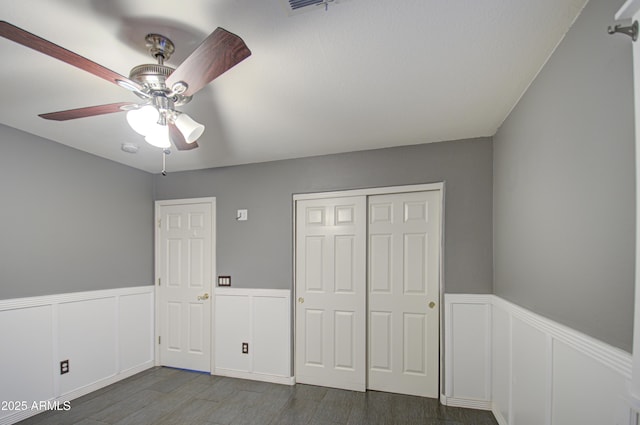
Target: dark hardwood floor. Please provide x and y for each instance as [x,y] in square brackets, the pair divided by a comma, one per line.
[163,396]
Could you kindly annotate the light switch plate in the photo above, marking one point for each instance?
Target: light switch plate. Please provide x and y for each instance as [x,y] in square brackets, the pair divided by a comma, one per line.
[224,280]
[242,215]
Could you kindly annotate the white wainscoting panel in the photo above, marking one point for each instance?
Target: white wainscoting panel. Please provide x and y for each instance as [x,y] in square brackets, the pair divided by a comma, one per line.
[540,373]
[261,318]
[529,374]
[585,391]
[585,379]
[467,351]
[26,355]
[106,335]
[136,337]
[232,328]
[501,362]
[271,337]
[87,337]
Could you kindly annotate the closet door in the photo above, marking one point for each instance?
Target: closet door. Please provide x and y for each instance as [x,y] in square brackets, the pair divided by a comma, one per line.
[403,292]
[331,292]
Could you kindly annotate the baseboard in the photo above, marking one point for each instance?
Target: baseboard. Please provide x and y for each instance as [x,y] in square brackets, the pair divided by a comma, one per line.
[466,403]
[24,414]
[498,415]
[274,379]
[106,382]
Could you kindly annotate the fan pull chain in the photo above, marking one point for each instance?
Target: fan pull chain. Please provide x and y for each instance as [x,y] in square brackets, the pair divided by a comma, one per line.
[165,152]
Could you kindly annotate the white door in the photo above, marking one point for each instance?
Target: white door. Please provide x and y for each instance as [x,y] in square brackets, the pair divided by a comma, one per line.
[403,292]
[331,292]
[185,257]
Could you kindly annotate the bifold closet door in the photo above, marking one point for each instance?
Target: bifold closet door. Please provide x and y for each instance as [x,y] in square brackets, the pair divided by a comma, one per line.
[331,292]
[403,292]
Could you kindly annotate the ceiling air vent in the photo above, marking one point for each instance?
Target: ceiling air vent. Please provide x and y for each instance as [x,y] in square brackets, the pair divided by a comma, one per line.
[299,6]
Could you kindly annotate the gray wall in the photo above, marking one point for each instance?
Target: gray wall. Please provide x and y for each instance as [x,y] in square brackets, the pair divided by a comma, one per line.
[258,253]
[564,200]
[70,221]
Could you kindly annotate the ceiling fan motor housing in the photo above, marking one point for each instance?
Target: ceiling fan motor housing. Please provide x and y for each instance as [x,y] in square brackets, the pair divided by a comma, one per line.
[151,75]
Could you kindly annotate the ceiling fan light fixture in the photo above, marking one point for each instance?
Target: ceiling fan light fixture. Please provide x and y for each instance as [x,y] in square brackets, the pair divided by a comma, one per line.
[158,136]
[190,129]
[142,120]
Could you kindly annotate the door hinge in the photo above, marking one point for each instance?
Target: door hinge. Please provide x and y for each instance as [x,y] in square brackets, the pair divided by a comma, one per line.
[159,223]
[158,281]
[159,339]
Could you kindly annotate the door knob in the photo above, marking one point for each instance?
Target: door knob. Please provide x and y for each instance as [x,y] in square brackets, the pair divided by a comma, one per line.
[301,300]
[203,297]
[432,304]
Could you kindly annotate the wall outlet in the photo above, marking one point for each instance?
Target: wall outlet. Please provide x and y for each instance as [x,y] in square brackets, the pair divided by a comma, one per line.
[245,348]
[64,367]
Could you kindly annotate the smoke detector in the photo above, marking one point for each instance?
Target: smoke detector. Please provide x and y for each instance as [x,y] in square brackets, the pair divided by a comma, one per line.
[130,148]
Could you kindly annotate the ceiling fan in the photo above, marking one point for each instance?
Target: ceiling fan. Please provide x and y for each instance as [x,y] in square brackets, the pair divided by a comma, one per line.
[161,87]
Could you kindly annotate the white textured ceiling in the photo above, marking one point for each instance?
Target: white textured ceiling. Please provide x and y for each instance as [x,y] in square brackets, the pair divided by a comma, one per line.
[365,74]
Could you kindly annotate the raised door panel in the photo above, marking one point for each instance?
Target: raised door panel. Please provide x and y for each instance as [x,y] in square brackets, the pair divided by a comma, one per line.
[414,267]
[314,263]
[174,329]
[344,340]
[196,339]
[314,337]
[380,341]
[380,263]
[415,356]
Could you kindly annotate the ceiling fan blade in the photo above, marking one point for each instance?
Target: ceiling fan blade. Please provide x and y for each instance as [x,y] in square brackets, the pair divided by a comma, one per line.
[20,36]
[220,51]
[178,139]
[89,111]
